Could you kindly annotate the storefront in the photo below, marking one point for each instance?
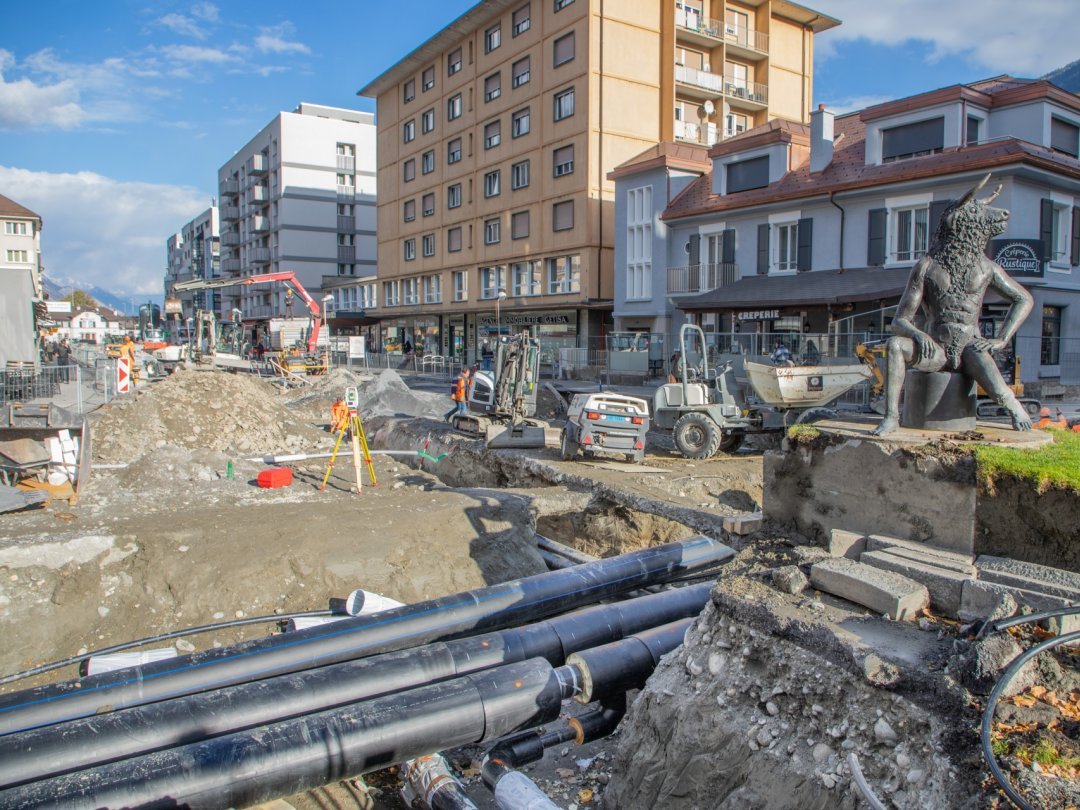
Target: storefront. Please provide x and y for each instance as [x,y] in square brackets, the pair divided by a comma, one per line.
[556,329]
[419,335]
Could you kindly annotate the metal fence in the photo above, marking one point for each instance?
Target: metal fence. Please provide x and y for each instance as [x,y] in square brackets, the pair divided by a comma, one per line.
[86,383]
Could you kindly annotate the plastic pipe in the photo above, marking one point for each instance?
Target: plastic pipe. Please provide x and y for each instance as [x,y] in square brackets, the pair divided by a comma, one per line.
[57,749]
[429,779]
[547,544]
[448,617]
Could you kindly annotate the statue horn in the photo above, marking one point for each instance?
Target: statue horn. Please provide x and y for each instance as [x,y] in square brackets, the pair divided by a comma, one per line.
[971,194]
[993,196]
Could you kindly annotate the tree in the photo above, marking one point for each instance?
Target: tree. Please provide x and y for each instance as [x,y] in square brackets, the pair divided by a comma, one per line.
[80,299]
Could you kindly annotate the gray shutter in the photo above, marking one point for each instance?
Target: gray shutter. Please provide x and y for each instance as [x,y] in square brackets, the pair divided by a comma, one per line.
[695,249]
[1046,228]
[1074,253]
[763,249]
[875,238]
[804,251]
[937,211]
[727,245]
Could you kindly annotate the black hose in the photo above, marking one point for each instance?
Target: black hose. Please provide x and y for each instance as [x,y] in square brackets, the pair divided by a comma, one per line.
[1004,624]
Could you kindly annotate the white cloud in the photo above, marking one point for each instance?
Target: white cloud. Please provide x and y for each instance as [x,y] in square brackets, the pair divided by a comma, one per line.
[196,54]
[185,26]
[989,33]
[102,231]
[272,39]
[852,103]
[207,12]
[26,105]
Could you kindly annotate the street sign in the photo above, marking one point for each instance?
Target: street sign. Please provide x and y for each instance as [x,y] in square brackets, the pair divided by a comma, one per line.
[123,376]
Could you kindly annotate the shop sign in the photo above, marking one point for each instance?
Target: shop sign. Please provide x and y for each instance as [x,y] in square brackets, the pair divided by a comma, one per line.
[525,318]
[173,305]
[357,346]
[1021,258]
[759,315]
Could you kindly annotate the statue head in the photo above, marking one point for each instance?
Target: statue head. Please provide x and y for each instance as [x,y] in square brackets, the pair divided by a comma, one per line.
[971,221]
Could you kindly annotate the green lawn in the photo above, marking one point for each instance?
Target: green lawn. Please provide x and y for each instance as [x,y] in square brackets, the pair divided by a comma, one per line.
[1052,465]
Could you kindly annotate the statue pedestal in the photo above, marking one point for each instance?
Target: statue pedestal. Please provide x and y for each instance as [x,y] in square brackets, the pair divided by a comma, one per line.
[939,400]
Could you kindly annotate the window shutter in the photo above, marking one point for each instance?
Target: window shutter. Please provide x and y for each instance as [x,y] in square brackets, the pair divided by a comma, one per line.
[937,211]
[804,254]
[1046,228]
[1074,253]
[727,245]
[695,249]
[763,249]
[875,238]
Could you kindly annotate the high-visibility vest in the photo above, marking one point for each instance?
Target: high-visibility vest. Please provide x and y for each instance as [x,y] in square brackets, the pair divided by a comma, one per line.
[460,386]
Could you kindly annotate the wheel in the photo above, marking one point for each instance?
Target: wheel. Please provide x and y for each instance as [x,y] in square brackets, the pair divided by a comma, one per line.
[1032,407]
[730,442]
[568,447]
[631,458]
[697,436]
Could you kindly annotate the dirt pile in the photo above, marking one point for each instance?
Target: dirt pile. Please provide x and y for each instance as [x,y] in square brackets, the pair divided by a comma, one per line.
[206,410]
[388,395]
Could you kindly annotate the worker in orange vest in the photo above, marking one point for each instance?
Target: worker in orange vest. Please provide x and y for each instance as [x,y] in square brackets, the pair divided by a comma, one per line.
[339,414]
[459,394]
[1045,422]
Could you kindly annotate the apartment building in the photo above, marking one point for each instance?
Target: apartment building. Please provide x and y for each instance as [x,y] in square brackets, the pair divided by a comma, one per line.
[300,197]
[813,229]
[193,253]
[21,299]
[496,136]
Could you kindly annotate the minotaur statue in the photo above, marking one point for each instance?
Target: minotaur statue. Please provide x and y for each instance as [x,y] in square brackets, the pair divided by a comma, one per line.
[936,327]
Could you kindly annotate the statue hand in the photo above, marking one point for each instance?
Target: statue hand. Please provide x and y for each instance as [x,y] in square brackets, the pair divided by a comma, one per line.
[981,344]
[925,344]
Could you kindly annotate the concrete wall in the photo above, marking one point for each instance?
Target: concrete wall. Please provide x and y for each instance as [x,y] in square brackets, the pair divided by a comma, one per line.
[18,340]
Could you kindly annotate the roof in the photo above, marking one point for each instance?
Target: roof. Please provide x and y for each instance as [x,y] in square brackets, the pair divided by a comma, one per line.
[10,208]
[777,130]
[667,154]
[817,288]
[848,170]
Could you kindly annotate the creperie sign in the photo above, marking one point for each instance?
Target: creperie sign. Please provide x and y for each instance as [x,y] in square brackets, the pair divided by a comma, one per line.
[759,315]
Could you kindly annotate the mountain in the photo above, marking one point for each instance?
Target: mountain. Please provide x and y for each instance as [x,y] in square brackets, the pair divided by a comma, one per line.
[1067,78]
[58,288]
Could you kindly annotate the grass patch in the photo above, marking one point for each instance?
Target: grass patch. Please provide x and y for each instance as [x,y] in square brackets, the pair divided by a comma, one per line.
[1055,465]
[803,434]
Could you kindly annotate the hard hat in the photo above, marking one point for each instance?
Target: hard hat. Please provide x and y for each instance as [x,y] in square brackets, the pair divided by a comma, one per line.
[1044,412]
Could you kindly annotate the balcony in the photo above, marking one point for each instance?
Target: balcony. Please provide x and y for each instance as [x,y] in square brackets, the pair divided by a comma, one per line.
[230,187]
[346,163]
[230,239]
[746,95]
[700,278]
[346,224]
[260,224]
[698,84]
[690,26]
[346,253]
[257,164]
[231,266]
[229,213]
[346,193]
[260,193]
[259,255]
[746,42]
[706,134]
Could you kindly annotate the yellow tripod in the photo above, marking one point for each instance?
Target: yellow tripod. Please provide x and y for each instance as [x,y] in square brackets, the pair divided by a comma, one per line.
[361,453]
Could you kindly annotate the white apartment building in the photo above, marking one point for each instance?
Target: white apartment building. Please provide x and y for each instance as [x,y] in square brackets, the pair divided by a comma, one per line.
[193,253]
[300,197]
[20,281]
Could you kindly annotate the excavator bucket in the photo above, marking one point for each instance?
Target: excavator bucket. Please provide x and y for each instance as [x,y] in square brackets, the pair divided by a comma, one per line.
[520,436]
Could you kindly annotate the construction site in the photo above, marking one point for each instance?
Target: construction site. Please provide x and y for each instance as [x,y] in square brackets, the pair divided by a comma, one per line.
[813,639]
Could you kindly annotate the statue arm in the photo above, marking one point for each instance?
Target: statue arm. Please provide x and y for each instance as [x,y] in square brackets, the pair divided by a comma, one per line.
[1021,299]
[903,323]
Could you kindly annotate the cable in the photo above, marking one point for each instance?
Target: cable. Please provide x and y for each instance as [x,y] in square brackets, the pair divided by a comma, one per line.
[861,784]
[1004,624]
[127,645]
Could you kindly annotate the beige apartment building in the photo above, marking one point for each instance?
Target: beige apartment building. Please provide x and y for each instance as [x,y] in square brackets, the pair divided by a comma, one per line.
[496,136]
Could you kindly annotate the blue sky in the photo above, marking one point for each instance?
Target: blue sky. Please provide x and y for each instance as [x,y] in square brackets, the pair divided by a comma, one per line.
[114,116]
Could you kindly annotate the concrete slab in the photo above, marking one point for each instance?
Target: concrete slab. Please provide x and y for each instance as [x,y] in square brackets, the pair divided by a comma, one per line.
[882,591]
[743,524]
[945,585]
[1030,576]
[960,563]
[846,544]
[978,598]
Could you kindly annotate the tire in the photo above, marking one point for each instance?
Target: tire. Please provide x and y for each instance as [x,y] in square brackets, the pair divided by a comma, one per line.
[568,448]
[730,442]
[697,436]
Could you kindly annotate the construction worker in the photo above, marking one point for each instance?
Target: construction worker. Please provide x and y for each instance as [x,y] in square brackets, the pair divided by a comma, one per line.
[127,349]
[1045,422]
[459,394]
[339,413]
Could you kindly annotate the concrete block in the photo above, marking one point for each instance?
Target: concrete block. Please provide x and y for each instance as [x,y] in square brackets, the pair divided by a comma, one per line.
[957,561]
[978,599]
[846,544]
[881,591]
[789,579]
[1029,576]
[945,585]
[743,524]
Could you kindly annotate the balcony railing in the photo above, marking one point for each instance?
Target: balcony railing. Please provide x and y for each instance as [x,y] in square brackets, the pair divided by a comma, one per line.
[746,38]
[257,164]
[260,255]
[230,186]
[260,193]
[748,91]
[229,212]
[346,163]
[346,224]
[699,78]
[260,224]
[230,265]
[231,238]
[707,135]
[700,278]
[691,20]
[346,253]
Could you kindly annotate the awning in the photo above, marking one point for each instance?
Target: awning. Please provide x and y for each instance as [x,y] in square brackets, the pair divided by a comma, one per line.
[809,289]
[343,318]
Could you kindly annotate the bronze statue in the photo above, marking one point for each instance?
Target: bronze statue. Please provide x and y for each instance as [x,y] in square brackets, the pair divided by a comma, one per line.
[936,327]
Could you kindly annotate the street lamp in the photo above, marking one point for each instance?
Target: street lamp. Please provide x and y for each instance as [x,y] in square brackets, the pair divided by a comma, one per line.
[498,320]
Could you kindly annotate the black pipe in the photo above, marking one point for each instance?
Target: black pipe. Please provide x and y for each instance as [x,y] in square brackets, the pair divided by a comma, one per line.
[448,617]
[626,664]
[255,766]
[562,550]
[90,741]
[600,722]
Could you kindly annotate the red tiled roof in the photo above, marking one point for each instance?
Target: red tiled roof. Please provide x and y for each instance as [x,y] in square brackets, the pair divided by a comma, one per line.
[666,153]
[10,208]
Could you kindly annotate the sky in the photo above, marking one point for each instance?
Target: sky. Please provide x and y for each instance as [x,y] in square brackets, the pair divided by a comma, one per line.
[115,115]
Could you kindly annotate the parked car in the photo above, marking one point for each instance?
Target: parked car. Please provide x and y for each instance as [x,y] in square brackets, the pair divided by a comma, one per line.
[603,423]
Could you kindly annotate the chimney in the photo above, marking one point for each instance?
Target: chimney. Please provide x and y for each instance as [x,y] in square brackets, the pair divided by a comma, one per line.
[821,138]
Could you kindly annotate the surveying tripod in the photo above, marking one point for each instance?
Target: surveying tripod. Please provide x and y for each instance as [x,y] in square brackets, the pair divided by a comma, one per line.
[360,452]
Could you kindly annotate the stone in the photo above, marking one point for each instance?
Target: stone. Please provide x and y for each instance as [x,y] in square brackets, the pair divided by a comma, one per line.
[945,585]
[821,753]
[987,660]
[743,524]
[790,579]
[883,732]
[846,544]
[880,672]
[1029,576]
[979,599]
[939,400]
[958,561]
[885,592]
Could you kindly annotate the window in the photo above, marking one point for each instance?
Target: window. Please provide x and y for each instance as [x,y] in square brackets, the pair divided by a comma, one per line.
[736,26]
[453,240]
[519,174]
[912,140]
[564,49]
[409,291]
[367,296]
[787,246]
[1064,137]
[409,210]
[562,160]
[734,123]
[639,217]
[408,130]
[461,284]
[526,278]
[391,291]
[748,174]
[432,289]
[453,107]
[1057,240]
[429,204]
[453,195]
[491,184]
[492,279]
[520,72]
[18,256]
[520,123]
[410,250]
[522,20]
[492,232]
[428,78]
[564,275]
[427,120]
[427,162]
[492,38]
[736,79]
[453,62]
[453,151]
[562,215]
[492,87]
[409,91]
[564,104]
[1050,350]
[912,229]
[15,228]
[972,130]
[519,225]
[428,244]
[492,134]
[409,170]
[561,4]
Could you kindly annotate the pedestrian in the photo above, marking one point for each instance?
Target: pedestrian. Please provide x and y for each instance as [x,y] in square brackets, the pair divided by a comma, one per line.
[459,394]
[781,355]
[63,360]
[486,354]
[127,349]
